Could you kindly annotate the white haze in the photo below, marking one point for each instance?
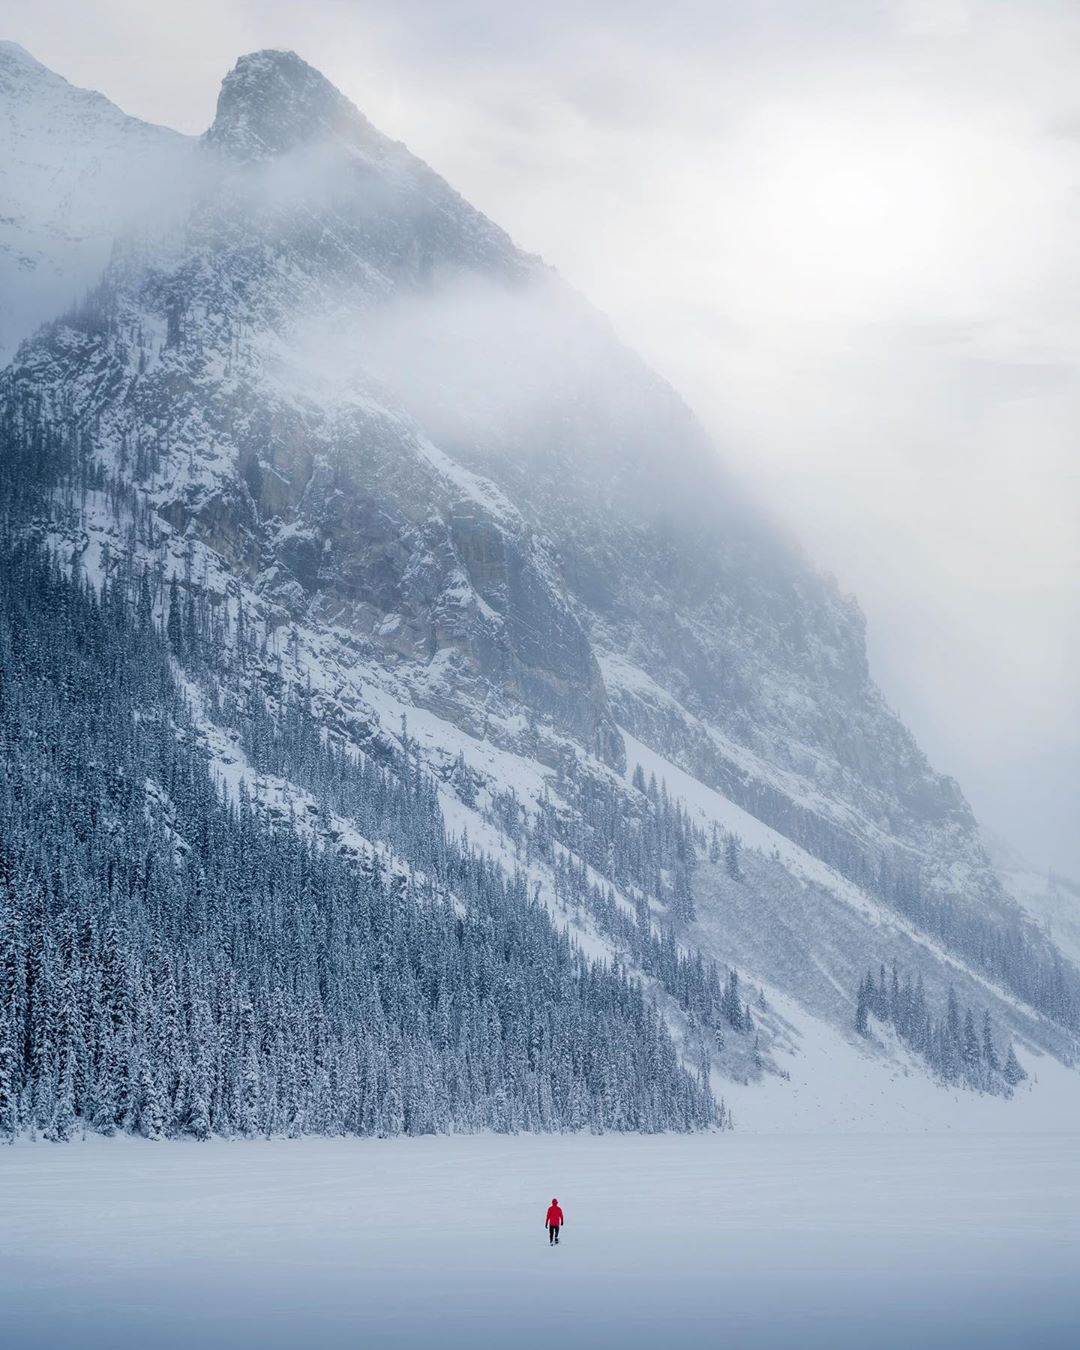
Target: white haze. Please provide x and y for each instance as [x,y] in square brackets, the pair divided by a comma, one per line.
[475,360]
[847,232]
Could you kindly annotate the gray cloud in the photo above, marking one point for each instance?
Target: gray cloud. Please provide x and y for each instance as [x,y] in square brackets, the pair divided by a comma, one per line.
[847,232]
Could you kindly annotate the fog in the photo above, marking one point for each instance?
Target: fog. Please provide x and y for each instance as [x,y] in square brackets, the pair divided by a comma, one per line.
[846,232]
[493,366]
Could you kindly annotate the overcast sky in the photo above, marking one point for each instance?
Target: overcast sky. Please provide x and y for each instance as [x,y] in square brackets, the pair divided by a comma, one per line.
[848,231]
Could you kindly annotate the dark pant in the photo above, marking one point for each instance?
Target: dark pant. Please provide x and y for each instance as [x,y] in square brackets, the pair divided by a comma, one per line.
[553,1232]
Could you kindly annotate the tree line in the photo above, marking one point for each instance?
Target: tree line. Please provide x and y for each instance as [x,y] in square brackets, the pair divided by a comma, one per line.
[958,1045]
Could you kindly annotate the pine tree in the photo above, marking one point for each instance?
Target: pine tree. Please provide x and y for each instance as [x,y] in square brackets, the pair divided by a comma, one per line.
[862,1008]
[732,849]
[715,851]
[732,1002]
[174,622]
[989,1053]
[971,1051]
[151,1110]
[683,911]
[1013,1072]
[62,1126]
[9,1113]
[952,1056]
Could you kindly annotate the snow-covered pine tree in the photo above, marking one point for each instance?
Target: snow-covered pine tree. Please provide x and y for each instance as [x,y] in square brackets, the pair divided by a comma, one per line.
[682,900]
[9,1109]
[951,1045]
[1013,1072]
[732,851]
[989,1051]
[862,1007]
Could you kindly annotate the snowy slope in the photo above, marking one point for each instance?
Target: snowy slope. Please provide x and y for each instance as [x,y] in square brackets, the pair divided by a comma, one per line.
[1051,899]
[838,1085]
[75,172]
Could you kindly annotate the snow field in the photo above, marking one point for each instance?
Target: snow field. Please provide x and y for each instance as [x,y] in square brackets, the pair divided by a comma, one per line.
[748,1242]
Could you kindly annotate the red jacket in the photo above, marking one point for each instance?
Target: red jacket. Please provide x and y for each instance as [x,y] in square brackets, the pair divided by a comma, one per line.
[554,1214]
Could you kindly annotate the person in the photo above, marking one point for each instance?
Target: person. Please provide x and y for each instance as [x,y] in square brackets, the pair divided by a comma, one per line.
[554,1222]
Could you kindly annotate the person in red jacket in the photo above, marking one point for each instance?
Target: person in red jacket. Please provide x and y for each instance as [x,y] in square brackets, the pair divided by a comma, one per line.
[553,1223]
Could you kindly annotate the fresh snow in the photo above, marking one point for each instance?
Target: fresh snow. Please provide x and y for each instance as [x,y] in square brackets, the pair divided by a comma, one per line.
[710,807]
[836,1085]
[74,173]
[1052,900]
[748,1242]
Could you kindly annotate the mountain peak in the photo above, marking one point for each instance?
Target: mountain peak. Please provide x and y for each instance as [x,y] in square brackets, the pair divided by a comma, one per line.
[12,52]
[272,101]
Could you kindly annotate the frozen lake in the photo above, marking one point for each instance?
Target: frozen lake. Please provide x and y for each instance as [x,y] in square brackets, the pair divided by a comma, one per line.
[738,1241]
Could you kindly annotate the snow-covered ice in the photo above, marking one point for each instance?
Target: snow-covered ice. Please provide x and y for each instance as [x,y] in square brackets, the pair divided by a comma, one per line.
[739,1241]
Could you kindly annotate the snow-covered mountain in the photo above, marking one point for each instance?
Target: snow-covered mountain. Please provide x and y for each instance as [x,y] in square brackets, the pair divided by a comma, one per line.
[1051,898]
[74,172]
[331,401]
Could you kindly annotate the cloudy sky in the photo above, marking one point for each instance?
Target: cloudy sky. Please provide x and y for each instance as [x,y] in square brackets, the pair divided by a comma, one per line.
[848,231]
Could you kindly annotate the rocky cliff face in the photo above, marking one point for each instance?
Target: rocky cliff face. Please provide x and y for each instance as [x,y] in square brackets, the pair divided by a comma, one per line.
[334,394]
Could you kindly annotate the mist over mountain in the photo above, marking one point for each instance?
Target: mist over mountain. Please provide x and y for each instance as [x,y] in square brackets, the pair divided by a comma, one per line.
[573,799]
[76,171]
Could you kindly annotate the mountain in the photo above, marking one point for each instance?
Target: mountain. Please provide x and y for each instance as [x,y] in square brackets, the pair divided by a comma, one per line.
[74,172]
[1051,899]
[391,491]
